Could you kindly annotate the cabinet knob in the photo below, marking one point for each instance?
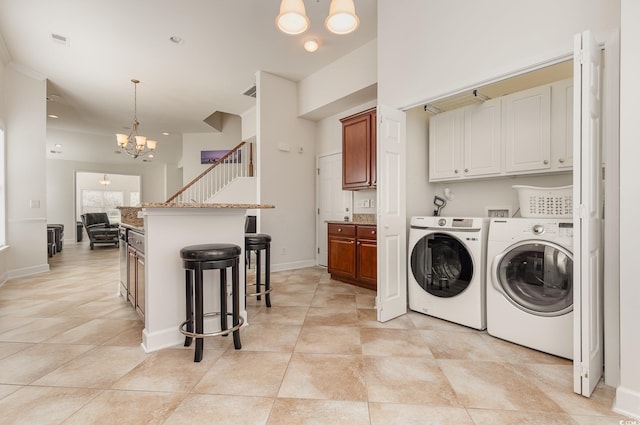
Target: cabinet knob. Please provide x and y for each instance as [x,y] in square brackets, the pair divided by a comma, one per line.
[340,229]
[455,171]
[545,162]
[373,232]
[358,242]
[466,170]
[561,160]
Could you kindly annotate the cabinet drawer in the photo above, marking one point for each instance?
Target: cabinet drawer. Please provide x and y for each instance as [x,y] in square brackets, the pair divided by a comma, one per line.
[342,229]
[366,232]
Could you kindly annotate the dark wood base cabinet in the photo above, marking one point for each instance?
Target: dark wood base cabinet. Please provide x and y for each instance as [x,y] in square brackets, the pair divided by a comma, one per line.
[135,268]
[353,254]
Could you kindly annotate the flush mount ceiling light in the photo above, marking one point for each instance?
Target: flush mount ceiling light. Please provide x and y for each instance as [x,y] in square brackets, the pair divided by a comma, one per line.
[292,19]
[342,17]
[105,181]
[310,46]
[133,144]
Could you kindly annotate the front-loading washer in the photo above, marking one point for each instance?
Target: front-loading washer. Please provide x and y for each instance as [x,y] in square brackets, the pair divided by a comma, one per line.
[530,283]
[447,268]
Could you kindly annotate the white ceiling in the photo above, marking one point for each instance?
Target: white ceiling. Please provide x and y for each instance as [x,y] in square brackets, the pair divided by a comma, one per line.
[110,42]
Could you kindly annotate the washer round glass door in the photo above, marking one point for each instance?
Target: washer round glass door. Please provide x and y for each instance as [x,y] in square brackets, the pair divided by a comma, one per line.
[537,277]
[442,265]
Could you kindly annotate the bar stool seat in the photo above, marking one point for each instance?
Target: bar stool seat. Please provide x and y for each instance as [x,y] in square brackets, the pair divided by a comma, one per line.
[196,259]
[259,242]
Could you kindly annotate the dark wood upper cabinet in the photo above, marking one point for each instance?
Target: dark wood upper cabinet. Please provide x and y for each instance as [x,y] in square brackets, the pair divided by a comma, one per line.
[359,150]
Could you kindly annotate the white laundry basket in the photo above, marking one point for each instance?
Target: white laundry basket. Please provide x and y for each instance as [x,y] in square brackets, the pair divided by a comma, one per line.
[545,201]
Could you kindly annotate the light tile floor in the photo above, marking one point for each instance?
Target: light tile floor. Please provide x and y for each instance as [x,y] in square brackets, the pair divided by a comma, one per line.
[70,354]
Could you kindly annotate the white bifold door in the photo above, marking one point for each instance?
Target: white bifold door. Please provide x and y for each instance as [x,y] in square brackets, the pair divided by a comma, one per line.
[391,298]
[587,200]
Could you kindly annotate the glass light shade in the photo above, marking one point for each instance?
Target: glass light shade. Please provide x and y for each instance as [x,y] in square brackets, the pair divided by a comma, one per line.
[292,18]
[342,17]
[122,139]
[151,144]
[140,141]
[310,46]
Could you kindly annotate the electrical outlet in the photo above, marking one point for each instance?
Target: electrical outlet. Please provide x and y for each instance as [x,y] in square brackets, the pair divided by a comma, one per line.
[498,212]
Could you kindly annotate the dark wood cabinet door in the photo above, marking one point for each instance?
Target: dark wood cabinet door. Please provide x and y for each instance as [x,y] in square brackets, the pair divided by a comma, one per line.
[140,290]
[373,142]
[367,262]
[356,152]
[131,275]
[342,256]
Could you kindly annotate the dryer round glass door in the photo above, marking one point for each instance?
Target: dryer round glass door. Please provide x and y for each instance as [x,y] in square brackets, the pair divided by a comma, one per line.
[537,277]
[441,265]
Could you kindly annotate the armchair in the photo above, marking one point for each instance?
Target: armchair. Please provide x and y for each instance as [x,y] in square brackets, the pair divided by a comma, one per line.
[99,230]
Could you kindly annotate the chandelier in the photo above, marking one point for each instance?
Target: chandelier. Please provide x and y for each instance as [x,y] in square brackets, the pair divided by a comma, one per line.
[293,19]
[105,181]
[133,144]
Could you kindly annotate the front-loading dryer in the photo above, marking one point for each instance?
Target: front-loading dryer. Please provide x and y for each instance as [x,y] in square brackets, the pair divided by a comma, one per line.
[447,269]
[530,283]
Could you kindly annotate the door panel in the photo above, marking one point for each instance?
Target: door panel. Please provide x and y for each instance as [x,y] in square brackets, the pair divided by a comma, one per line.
[333,202]
[392,218]
[587,194]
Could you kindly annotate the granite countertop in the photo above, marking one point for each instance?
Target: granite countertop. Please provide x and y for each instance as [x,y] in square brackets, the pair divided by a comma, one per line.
[360,223]
[361,219]
[204,205]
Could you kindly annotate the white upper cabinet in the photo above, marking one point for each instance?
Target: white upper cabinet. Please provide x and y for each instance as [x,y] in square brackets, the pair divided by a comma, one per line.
[562,125]
[465,142]
[446,145]
[482,139]
[527,130]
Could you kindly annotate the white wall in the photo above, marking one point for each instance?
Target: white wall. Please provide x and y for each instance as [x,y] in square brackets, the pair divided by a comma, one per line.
[334,87]
[249,124]
[286,179]
[61,186]
[427,49]
[628,393]
[193,143]
[24,116]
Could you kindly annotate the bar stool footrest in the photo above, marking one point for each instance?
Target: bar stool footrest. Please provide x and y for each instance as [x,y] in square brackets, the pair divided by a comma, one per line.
[208,334]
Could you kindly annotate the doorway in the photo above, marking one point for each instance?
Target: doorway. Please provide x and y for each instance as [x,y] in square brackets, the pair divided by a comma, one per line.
[103,192]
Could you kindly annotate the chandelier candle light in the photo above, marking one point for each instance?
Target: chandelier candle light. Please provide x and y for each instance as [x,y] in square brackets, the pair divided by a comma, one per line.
[133,144]
[293,18]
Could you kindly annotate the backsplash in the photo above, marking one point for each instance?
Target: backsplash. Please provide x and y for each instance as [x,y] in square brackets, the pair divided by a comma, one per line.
[364,218]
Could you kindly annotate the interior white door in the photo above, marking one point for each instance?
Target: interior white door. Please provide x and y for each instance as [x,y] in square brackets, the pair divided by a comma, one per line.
[333,202]
[587,198]
[391,299]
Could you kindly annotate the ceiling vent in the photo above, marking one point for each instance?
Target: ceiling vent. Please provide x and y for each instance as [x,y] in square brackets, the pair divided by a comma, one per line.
[60,39]
[251,91]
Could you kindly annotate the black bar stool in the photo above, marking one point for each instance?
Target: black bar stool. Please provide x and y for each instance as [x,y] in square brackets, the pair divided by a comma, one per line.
[196,259]
[257,242]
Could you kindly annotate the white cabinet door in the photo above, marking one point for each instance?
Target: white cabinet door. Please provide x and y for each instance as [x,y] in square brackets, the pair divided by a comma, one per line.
[446,145]
[562,125]
[527,116]
[482,139]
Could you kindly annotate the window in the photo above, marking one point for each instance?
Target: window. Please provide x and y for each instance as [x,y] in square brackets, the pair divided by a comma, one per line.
[102,201]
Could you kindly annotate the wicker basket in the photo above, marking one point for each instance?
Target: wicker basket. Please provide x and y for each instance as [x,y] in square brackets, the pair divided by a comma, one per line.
[551,202]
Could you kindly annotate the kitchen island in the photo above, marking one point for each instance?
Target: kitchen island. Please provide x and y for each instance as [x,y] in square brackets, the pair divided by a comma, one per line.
[167,229]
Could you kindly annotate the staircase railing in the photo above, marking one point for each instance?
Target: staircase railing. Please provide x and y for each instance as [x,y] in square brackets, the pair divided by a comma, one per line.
[238,162]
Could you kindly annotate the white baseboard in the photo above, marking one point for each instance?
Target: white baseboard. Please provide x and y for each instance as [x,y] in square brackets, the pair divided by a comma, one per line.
[28,271]
[293,265]
[627,403]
